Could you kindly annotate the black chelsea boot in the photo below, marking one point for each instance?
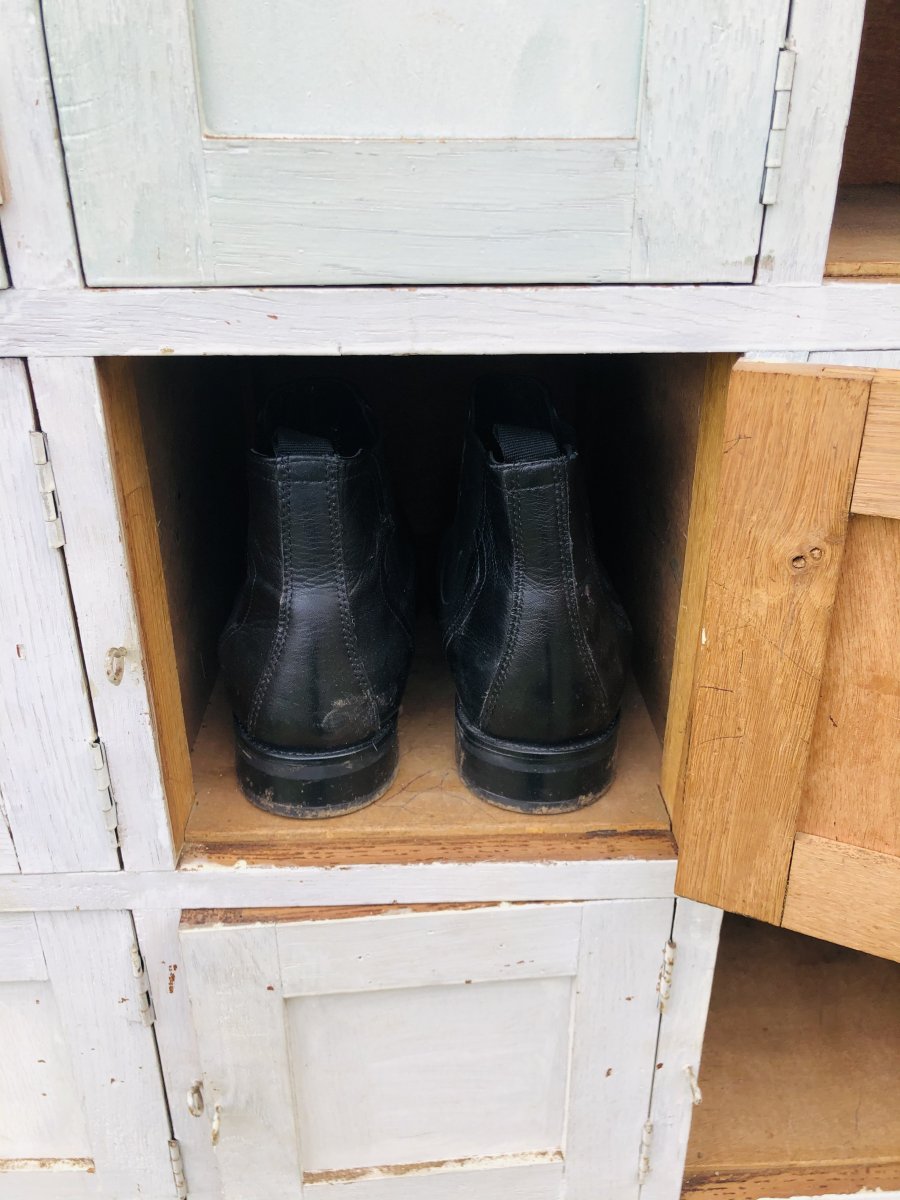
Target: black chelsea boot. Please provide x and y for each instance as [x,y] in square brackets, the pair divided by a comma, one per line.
[536,640]
[317,650]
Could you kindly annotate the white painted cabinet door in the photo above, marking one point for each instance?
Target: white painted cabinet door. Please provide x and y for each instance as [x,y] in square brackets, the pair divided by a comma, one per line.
[83,1112]
[473,1054]
[55,801]
[408,141]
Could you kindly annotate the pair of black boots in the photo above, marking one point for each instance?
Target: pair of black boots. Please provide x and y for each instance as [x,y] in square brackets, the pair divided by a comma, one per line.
[318,648]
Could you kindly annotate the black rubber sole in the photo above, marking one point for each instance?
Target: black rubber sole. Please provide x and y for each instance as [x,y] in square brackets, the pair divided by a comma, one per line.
[293,783]
[534,778]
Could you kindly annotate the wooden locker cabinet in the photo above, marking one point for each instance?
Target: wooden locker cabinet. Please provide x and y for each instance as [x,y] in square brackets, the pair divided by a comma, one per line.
[781,769]
[478,144]
[84,1114]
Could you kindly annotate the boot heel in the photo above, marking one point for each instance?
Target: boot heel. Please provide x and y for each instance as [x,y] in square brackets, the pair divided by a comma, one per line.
[535,778]
[295,783]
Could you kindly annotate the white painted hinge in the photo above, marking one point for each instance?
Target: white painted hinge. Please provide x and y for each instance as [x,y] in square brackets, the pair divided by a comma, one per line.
[664,983]
[148,1016]
[178,1170]
[47,489]
[644,1160]
[784,81]
[104,787]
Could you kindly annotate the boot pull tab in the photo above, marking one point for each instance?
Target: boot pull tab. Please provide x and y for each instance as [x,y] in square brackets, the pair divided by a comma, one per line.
[518,444]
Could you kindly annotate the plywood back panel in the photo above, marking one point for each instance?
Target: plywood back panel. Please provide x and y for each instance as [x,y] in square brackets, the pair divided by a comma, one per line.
[852,788]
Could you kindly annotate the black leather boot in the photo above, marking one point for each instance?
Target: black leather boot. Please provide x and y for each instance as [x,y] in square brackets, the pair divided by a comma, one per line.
[317,650]
[536,640]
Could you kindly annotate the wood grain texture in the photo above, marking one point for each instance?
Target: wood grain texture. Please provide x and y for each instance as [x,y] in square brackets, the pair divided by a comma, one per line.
[199,885]
[789,452]
[795,233]
[376,211]
[872,145]
[23,958]
[706,469]
[427,815]
[70,406]
[845,894]
[877,487]
[865,234]
[852,788]
[47,771]
[798,1073]
[714,234]
[695,934]
[118,388]
[558,320]
[36,216]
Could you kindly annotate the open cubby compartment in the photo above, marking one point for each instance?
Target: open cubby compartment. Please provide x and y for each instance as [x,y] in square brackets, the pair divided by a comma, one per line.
[178,431]
[865,233]
[799,1071]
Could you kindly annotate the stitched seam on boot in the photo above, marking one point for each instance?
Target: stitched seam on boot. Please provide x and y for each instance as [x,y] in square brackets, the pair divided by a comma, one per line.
[464,606]
[512,637]
[561,492]
[284,606]
[347,627]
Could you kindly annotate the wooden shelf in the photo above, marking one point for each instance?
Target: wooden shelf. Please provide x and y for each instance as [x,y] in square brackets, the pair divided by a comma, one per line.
[427,815]
[865,235]
[799,1070]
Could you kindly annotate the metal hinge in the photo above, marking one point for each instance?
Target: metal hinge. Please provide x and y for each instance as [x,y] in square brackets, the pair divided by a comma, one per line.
[644,1160]
[664,984]
[784,81]
[47,489]
[145,1001]
[104,787]
[178,1170]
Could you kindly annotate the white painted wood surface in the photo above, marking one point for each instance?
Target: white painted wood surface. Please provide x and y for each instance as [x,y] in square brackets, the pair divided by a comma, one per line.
[268,887]
[695,935]
[560,320]
[47,775]
[35,217]
[83,1108]
[438,1057]
[114,1057]
[68,401]
[530,170]
[613,1043]
[416,69]
[157,934]
[888,359]
[22,958]
[9,861]
[709,80]
[796,229]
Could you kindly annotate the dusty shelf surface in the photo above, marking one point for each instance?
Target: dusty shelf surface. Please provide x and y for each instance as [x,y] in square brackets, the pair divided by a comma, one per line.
[799,1070]
[427,815]
[865,234]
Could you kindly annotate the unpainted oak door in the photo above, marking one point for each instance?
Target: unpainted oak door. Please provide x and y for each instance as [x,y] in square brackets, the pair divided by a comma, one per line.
[431,1055]
[83,1111]
[291,142]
